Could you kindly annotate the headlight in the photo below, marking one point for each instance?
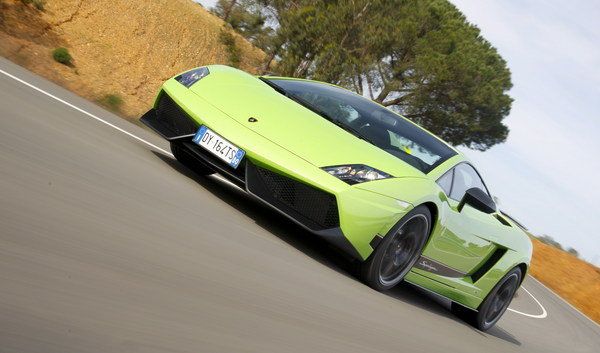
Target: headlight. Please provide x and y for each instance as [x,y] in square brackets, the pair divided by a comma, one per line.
[356,173]
[189,78]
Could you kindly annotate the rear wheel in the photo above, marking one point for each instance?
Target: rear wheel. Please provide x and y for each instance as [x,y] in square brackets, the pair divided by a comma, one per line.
[494,305]
[398,251]
[184,158]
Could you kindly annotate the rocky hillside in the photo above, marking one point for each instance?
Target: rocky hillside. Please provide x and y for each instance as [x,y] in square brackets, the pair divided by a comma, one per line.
[120,48]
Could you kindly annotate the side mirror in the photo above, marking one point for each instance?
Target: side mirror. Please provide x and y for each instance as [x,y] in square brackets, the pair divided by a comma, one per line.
[479,200]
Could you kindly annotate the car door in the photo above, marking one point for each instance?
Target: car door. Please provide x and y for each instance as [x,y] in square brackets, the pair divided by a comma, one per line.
[466,237]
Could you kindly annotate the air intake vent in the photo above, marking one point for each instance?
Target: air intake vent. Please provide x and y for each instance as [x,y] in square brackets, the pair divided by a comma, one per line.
[314,208]
[488,264]
[172,120]
[502,220]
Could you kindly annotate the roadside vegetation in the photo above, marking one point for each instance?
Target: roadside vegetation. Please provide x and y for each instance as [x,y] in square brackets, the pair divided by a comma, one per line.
[62,56]
[113,102]
[38,4]
[228,40]
[546,239]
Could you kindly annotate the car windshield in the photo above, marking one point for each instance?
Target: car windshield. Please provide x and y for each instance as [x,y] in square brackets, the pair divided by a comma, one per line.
[369,121]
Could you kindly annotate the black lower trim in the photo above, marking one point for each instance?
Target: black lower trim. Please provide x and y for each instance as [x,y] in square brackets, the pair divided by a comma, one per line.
[376,241]
[237,176]
[169,120]
[152,120]
[336,237]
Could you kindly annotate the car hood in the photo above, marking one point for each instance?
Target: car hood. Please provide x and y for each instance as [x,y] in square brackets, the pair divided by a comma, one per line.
[290,125]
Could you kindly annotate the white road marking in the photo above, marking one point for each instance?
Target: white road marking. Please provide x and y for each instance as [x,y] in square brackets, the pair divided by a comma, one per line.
[84,112]
[219,177]
[539,316]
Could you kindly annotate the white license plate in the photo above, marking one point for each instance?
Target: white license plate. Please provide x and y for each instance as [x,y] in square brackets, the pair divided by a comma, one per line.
[218,146]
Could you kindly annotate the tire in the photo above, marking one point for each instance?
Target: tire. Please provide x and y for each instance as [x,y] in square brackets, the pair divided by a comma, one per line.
[398,251]
[184,158]
[494,305]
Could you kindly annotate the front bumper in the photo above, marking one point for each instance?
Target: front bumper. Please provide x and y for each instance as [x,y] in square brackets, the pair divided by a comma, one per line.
[346,216]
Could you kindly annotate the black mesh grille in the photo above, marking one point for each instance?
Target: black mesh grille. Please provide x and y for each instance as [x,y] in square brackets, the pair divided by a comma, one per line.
[312,207]
[172,119]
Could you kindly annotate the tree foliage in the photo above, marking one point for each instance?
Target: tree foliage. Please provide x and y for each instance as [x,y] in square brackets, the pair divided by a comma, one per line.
[546,239]
[244,16]
[228,40]
[573,252]
[418,57]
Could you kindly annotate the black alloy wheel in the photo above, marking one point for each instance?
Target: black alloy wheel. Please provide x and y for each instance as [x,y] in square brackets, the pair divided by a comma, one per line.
[398,251]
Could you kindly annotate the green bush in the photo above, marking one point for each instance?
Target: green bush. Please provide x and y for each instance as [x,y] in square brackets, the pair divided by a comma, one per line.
[39,4]
[112,102]
[62,56]
[227,39]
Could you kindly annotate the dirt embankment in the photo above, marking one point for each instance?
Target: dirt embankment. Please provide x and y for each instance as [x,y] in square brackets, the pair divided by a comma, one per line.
[119,47]
[573,279]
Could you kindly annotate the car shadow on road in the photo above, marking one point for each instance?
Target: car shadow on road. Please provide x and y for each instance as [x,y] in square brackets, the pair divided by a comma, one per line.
[318,249]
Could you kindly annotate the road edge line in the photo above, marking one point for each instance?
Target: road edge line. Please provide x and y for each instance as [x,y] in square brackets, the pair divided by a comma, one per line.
[84,111]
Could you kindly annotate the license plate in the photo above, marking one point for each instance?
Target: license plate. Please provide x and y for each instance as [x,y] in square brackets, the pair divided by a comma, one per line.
[218,146]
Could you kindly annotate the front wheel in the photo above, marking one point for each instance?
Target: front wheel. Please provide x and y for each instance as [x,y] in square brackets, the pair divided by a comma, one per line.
[494,305]
[398,251]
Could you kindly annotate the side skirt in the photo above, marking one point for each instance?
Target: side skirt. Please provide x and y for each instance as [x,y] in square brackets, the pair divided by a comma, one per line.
[444,290]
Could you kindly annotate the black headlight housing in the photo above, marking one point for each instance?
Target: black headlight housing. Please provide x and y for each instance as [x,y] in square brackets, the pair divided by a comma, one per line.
[356,173]
[188,78]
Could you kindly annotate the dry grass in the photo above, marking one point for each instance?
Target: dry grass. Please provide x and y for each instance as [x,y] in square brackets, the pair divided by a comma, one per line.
[121,47]
[573,279]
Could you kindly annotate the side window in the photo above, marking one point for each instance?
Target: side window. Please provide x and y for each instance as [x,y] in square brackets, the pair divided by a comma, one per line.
[445,181]
[465,177]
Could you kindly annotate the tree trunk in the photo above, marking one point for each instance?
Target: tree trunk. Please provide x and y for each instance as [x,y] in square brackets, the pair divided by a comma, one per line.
[359,84]
[370,84]
[385,91]
[227,10]
[267,65]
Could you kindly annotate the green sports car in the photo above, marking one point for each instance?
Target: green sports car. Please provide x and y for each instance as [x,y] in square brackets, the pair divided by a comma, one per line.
[378,187]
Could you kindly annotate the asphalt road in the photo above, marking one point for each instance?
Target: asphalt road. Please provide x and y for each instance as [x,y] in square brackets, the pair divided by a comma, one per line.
[109,245]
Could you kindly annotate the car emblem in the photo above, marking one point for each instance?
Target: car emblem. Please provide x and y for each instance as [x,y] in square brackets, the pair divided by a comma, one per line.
[252,120]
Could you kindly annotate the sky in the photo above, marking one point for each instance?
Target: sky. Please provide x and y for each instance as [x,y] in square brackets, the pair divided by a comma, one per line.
[546,174]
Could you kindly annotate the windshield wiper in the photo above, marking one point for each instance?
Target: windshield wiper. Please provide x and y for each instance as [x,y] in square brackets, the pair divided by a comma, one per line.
[320,112]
